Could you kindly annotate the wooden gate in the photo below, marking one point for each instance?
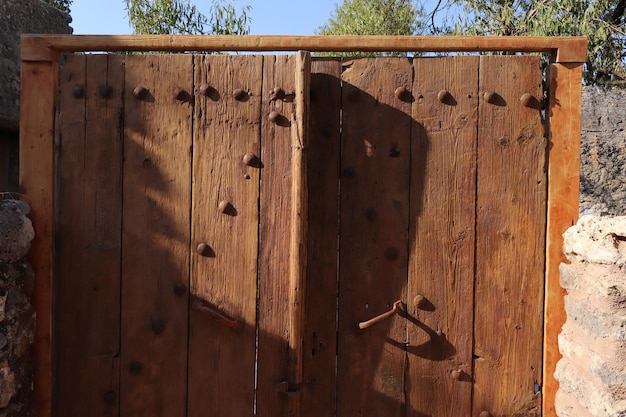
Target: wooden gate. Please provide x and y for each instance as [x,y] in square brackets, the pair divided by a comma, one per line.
[284,236]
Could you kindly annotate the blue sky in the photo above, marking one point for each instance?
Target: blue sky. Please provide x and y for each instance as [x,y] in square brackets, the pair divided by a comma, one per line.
[269,17]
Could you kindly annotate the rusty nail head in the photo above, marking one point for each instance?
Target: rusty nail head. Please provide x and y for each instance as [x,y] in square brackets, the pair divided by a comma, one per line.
[135,367]
[157,326]
[370,213]
[457,374]
[180,288]
[180,94]
[140,92]
[489,96]
[246,176]
[250,159]
[239,94]
[110,397]
[484,414]
[391,254]
[105,90]
[205,250]
[443,95]
[224,206]
[349,172]
[78,91]
[204,89]
[401,92]
[526,99]
[274,116]
[277,93]
[419,300]
[353,93]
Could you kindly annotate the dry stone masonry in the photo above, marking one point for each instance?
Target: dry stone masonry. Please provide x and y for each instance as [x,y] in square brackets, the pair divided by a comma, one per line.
[592,373]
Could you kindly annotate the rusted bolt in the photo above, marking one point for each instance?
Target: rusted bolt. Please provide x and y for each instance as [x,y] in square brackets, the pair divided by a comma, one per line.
[526,99]
[140,92]
[110,397]
[391,253]
[273,116]
[135,367]
[157,326]
[419,300]
[78,91]
[489,96]
[105,90]
[457,374]
[401,93]
[250,159]
[484,414]
[370,213]
[443,96]
[180,288]
[225,207]
[205,250]
[239,94]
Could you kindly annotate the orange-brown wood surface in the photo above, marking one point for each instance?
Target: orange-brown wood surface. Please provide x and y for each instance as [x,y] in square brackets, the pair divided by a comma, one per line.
[38,97]
[275,225]
[88,257]
[156,227]
[510,233]
[373,235]
[226,127]
[442,217]
[319,353]
[565,83]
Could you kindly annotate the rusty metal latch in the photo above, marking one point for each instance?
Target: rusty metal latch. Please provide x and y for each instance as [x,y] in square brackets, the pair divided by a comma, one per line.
[397,306]
[202,306]
[282,387]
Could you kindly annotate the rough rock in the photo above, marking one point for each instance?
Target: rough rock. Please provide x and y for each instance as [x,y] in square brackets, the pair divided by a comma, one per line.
[603,152]
[18,17]
[16,230]
[600,240]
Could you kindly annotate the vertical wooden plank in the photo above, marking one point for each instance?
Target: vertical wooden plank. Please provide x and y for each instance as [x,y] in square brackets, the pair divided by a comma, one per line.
[563,194]
[373,235]
[510,237]
[222,361]
[319,353]
[89,235]
[38,99]
[441,257]
[156,228]
[274,234]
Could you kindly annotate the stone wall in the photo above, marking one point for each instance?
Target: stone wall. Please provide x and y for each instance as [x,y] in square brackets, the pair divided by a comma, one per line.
[17,321]
[603,152]
[592,372]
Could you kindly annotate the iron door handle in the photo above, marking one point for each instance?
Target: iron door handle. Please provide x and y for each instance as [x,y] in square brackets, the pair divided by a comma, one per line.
[382,317]
[202,306]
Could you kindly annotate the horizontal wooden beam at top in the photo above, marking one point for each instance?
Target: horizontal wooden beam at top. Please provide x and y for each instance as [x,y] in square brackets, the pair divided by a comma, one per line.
[47,47]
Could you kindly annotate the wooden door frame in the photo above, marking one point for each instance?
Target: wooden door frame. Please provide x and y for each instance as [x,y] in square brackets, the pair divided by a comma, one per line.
[40,56]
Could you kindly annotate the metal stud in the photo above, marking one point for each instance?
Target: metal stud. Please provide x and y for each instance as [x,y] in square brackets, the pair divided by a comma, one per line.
[180,288]
[277,93]
[110,397]
[135,367]
[239,94]
[484,414]
[457,374]
[157,326]
[250,159]
[105,90]
[205,250]
[489,96]
[353,94]
[140,92]
[273,116]
[391,253]
[443,95]
[370,213]
[419,300]
[225,207]
[181,95]
[349,172]
[78,91]
[526,99]
[401,93]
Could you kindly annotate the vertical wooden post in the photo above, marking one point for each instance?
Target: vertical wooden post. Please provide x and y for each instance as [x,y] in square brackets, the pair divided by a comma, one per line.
[563,189]
[298,238]
[38,100]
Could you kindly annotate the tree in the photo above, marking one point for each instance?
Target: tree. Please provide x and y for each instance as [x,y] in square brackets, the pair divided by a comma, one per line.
[601,21]
[154,17]
[61,4]
[374,17]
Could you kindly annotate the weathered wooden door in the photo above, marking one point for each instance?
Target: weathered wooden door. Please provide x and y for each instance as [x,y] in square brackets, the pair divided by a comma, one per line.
[425,185]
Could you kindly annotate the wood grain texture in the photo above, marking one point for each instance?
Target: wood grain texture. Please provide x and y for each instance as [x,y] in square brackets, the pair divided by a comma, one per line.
[156,227]
[38,98]
[442,220]
[373,235]
[565,84]
[510,233]
[221,361]
[274,234]
[89,208]
[565,49]
[320,342]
